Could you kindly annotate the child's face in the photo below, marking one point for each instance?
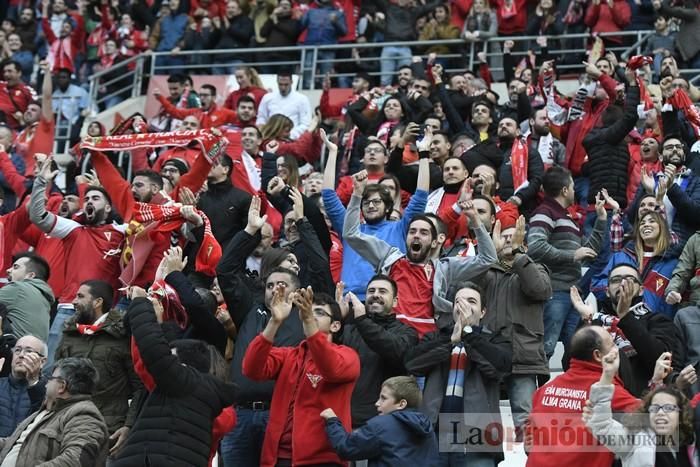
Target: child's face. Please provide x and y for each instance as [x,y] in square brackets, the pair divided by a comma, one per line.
[660,23]
[387,402]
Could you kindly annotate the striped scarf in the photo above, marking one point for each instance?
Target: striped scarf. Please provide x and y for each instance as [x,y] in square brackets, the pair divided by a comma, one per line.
[454,393]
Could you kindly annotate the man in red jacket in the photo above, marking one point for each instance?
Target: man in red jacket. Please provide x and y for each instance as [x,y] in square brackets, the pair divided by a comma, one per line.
[310,377]
[555,434]
[210,115]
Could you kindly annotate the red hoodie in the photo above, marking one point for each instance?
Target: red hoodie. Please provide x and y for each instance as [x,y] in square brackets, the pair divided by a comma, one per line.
[564,398]
[313,376]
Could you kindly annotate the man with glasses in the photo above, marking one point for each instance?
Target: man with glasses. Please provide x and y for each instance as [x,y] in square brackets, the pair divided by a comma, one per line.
[22,392]
[640,333]
[68,430]
[209,115]
[376,206]
[681,187]
[374,161]
[314,375]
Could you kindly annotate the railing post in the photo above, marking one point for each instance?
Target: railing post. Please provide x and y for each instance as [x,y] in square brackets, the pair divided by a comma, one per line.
[313,69]
[301,67]
[138,78]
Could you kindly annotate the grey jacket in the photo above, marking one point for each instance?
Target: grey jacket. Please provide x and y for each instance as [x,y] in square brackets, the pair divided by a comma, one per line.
[28,303]
[514,301]
[684,275]
[449,272]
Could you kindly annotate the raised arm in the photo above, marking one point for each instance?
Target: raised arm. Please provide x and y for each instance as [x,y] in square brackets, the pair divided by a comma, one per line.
[173,111]
[47,222]
[117,188]
[46,93]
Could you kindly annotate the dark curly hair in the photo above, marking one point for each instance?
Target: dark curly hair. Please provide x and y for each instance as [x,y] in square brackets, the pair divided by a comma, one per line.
[639,420]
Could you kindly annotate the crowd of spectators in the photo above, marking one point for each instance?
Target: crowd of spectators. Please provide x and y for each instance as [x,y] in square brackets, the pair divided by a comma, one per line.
[363,281]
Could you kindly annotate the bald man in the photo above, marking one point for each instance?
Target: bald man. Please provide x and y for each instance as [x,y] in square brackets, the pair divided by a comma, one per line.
[23,391]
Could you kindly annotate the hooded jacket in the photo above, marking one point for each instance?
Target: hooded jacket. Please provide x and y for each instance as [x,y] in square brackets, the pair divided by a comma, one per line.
[108,349]
[403,437]
[17,401]
[28,303]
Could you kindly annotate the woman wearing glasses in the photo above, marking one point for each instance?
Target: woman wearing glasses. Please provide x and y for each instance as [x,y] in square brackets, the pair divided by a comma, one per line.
[659,434]
[650,253]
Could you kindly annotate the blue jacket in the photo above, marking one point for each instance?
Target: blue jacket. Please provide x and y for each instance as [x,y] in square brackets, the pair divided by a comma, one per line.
[17,402]
[403,437]
[357,271]
[655,278]
[172,30]
[320,30]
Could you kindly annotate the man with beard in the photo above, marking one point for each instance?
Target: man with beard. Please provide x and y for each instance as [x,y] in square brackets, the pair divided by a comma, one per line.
[377,204]
[97,332]
[22,392]
[225,205]
[360,85]
[380,340]
[28,298]
[515,290]
[682,188]
[92,250]
[245,112]
[442,201]
[520,173]
[423,282]
[540,138]
[640,333]
[15,96]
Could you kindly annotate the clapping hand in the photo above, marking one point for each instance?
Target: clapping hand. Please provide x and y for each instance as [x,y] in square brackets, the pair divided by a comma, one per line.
[280,305]
[255,222]
[584,311]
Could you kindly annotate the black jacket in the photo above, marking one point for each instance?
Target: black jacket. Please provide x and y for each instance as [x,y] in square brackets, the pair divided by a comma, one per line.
[535,172]
[608,156]
[381,342]
[174,427]
[238,35]
[203,324]
[227,209]
[282,34]
[18,401]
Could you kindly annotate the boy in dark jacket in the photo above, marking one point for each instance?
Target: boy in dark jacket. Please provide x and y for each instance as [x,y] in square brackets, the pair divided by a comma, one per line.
[399,434]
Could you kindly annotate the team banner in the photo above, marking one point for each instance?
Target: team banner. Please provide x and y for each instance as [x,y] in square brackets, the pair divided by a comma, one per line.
[212,146]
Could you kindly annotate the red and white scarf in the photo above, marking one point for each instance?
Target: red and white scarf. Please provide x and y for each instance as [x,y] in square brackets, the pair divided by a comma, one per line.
[680,101]
[518,162]
[212,146]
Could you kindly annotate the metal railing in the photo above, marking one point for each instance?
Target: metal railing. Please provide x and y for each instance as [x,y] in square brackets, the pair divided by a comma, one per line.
[306,60]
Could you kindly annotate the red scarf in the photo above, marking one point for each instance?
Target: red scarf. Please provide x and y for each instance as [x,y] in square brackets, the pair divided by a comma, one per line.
[88,329]
[680,100]
[518,162]
[212,146]
[173,310]
[634,63]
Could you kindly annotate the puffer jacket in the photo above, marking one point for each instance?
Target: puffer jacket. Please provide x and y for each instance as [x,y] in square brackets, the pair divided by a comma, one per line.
[17,401]
[108,349]
[686,275]
[608,156]
[515,303]
[174,426]
[72,434]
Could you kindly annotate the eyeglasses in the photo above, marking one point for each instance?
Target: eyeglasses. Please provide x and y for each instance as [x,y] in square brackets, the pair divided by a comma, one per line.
[671,147]
[618,279]
[374,202]
[667,408]
[321,314]
[374,150]
[21,350]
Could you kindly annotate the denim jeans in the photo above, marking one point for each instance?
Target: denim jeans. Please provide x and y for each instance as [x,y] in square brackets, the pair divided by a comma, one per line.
[228,69]
[392,58]
[582,186]
[520,390]
[560,321]
[63,312]
[242,446]
[324,65]
[169,64]
[600,261]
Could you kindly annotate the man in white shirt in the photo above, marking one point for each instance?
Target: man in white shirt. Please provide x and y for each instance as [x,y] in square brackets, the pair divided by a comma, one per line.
[287,102]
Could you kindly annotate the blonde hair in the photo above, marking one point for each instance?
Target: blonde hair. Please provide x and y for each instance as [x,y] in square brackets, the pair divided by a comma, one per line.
[253,76]
[662,243]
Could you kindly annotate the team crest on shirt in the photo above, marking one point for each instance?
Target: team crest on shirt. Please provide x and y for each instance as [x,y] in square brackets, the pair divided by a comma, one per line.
[659,283]
[108,236]
[314,379]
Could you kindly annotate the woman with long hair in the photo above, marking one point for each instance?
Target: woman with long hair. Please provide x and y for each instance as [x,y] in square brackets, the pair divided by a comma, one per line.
[276,133]
[249,84]
[649,252]
[288,170]
[392,113]
[660,433]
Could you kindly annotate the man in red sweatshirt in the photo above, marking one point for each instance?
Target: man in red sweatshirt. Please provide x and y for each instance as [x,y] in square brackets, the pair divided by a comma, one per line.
[555,435]
[310,377]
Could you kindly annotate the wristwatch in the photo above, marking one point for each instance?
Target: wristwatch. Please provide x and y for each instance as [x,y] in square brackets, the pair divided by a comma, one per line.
[467,330]
[519,251]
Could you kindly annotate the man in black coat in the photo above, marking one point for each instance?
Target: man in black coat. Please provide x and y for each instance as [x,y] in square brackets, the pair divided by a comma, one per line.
[608,156]
[380,339]
[175,424]
[225,205]
[640,333]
